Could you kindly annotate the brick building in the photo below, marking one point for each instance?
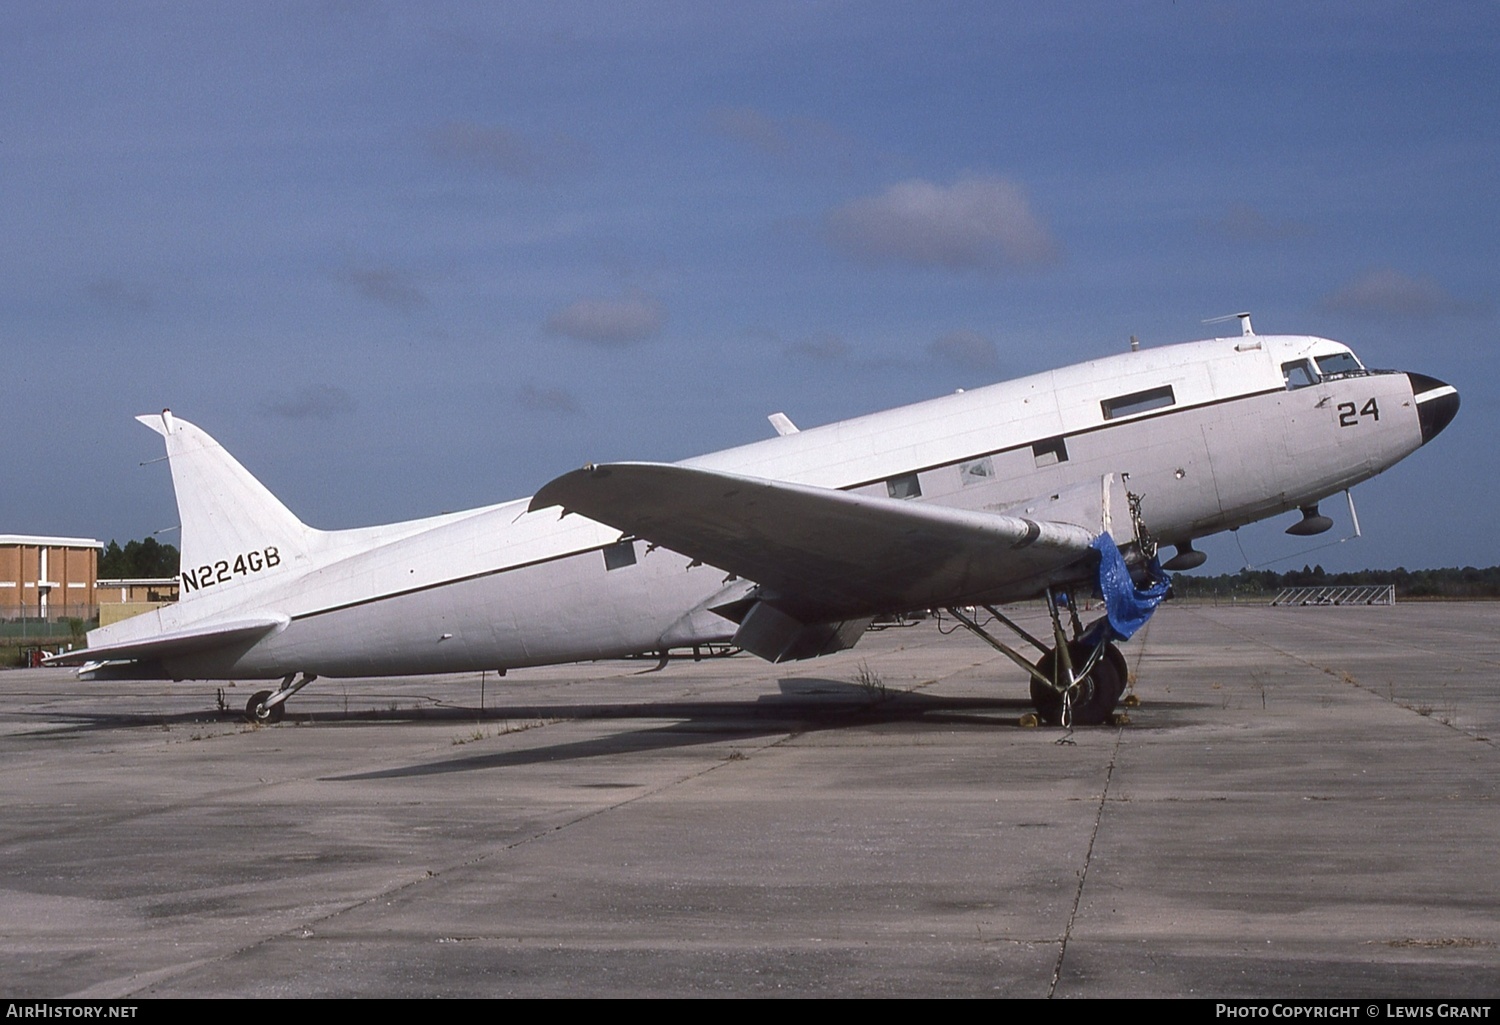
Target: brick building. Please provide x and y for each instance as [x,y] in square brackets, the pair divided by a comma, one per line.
[48,577]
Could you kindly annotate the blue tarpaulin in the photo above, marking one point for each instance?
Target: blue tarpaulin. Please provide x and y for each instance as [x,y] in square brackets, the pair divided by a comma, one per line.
[1127,607]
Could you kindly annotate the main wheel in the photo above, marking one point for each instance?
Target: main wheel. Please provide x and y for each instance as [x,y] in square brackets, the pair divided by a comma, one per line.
[1122,668]
[1093,700]
[257,711]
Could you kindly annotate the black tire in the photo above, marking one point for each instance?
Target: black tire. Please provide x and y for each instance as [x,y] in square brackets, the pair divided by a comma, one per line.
[257,711]
[1122,668]
[1094,700]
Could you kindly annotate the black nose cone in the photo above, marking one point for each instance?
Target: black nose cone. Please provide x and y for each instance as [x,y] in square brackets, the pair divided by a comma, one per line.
[1437,404]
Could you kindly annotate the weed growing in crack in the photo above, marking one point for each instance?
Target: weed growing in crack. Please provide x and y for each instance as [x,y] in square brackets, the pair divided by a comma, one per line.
[869,681]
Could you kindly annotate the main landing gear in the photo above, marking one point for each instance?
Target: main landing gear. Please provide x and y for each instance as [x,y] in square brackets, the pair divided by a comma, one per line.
[1076,682]
[267,707]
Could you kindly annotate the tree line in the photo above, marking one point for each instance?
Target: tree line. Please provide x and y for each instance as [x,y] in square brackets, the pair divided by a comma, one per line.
[138,560]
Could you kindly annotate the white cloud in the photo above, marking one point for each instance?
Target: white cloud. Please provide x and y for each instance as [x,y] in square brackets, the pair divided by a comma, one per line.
[967,350]
[973,223]
[631,318]
[1389,293]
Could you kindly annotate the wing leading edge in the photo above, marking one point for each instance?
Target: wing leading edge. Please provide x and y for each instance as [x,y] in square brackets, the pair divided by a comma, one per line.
[823,554]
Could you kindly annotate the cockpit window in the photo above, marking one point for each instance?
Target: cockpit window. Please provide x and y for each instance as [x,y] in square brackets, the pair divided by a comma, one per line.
[1339,364]
[1298,374]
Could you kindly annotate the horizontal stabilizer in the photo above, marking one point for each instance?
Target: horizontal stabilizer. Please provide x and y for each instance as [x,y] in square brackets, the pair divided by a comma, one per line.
[178,642]
[825,554]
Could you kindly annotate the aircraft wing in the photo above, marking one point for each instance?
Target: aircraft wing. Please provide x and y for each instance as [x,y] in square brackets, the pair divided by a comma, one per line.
[178,642]
[824,553]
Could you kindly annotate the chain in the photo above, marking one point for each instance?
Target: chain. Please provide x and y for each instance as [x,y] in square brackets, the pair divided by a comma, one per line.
[1142,534]
[1066,722]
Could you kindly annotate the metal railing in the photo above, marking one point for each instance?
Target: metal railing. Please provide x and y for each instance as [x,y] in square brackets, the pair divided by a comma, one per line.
[1364,594]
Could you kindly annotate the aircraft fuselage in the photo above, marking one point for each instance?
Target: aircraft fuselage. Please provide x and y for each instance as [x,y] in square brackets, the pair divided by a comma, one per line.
[1207,435]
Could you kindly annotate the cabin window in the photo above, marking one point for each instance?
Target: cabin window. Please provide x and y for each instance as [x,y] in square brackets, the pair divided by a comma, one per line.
[1138,402]
[976,471]
[1049,452]
[1339,364]
[619,555]
[1298,374]
[904,486]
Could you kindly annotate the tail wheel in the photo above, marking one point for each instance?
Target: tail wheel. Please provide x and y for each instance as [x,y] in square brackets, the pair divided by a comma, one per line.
[1095,696]
[257,711]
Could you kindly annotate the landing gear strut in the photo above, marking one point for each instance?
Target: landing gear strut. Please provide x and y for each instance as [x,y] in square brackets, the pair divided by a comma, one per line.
[267,707]
[1077,681]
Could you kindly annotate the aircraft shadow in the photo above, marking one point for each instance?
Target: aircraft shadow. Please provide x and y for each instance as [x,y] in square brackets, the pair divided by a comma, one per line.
[70,723]
[800,700]
[802,706]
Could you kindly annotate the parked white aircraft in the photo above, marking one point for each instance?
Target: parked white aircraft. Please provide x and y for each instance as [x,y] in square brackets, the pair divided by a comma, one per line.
[788,547]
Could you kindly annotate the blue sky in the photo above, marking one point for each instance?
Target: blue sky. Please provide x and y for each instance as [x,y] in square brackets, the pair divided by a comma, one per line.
[410,258]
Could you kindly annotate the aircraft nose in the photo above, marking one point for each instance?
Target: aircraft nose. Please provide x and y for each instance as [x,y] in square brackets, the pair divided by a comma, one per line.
[1437,404]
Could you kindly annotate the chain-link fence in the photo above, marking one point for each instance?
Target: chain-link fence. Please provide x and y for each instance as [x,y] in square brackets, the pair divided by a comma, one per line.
[57,622]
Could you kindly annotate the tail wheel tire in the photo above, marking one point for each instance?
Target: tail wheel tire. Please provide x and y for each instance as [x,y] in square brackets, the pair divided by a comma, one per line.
[257,711]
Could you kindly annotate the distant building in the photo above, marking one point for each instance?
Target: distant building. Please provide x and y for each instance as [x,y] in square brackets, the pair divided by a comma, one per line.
[48,577]
[158,590]
[121,599]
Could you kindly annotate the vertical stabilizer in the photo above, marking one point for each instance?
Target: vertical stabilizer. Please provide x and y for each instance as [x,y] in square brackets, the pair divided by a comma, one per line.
[233,529]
